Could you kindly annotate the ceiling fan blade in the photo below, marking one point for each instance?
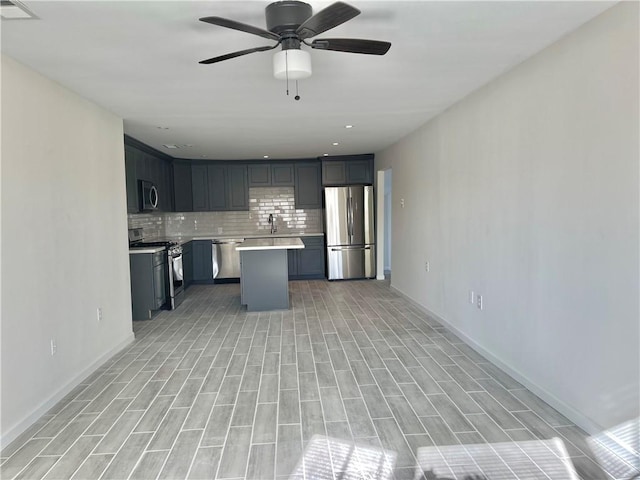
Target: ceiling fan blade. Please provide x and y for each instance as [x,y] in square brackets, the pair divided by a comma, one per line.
[243,27]
[326,19]
[239,53]
[352,45]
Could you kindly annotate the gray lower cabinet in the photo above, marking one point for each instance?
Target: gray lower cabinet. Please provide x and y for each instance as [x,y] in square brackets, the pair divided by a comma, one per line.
[148,283]
[264,280]
[187,263]
[307,263]
[202,264]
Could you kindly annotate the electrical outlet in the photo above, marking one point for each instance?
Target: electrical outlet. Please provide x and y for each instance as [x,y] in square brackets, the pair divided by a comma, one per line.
[54,347]
[472,297]
[479,302]
[402,203]
[427,267]
[99,314]
[219,229]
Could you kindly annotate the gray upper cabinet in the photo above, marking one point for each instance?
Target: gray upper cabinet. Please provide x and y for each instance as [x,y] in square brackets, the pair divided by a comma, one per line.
[182,189]
[238,189]
[200,188]
[271,174]
[219,187]
[259,175]
[348,170]
[282,175]
[130,159]
[334,173]
[308,189]
[144,163]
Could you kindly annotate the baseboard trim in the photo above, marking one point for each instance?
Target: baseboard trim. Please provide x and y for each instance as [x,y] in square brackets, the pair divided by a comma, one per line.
[575,416]
[15,431]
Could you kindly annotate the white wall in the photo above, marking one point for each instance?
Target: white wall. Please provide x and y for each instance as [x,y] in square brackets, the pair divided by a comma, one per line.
[64,243]
[527,192]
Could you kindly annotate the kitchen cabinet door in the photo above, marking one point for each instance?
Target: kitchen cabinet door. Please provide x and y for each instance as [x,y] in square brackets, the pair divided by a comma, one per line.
[200,188]
[292,260]
[311,258]
[282,175]
[165,192]
[334,173]
[160,285]
[238,190]
[187,263]
[348,170]
[130,162]
[154,170]
[182,190]
[217,187]
[141,166]
[359,172]
[308,189]
[149,276]
[202,261]
[259,174]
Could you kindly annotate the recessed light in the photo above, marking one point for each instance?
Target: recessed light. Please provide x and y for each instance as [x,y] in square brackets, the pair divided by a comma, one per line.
[348,126]
[203,156]
[335,144]
[325,154]
[265,156]
[170,146]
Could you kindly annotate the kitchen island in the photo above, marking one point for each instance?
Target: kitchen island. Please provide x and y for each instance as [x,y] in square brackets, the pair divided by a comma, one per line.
[264,273]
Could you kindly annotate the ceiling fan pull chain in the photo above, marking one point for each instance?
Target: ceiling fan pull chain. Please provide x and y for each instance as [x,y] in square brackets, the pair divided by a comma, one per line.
[297,97]
[286,67]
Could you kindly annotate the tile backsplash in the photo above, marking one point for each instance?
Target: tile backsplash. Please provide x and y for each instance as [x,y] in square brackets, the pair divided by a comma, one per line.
[278,201]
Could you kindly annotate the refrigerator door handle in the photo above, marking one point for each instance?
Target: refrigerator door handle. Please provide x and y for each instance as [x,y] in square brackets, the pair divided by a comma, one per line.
[356,247]
[350,218]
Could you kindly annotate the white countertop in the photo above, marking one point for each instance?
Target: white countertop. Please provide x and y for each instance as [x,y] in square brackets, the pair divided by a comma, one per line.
[146,250]
[270,244]
[248,236]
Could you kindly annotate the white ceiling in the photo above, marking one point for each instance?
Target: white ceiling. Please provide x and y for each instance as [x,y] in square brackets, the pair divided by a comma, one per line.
[139,59]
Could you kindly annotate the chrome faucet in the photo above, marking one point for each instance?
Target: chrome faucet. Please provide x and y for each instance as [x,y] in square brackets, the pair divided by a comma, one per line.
[272,222]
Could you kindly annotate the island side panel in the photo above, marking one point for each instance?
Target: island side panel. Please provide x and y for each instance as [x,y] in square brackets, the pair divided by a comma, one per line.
[264,278]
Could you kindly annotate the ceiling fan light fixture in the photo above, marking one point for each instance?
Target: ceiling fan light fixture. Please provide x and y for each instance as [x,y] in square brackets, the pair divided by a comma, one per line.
[293,64]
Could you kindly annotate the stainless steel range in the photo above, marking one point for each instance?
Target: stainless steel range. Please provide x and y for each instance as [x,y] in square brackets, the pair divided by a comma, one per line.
[174,273]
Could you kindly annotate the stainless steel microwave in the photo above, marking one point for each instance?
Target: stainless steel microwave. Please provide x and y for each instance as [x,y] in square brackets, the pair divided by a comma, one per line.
[148,196]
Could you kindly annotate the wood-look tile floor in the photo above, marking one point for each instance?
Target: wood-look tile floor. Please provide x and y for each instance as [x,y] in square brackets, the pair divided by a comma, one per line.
[351,375]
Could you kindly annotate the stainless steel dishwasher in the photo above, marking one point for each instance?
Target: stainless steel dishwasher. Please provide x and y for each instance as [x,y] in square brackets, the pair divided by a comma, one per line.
[225,258]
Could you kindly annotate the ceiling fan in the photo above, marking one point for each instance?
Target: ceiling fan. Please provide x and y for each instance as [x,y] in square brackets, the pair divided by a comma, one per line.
[291,23]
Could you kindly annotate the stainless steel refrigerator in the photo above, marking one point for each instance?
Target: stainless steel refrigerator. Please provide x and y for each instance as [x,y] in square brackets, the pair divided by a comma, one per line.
[351,250]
